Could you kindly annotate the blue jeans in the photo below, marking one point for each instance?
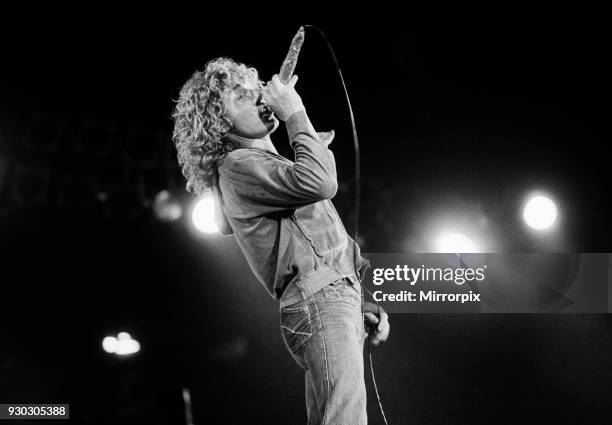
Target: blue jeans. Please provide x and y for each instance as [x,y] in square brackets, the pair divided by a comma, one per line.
[325,336]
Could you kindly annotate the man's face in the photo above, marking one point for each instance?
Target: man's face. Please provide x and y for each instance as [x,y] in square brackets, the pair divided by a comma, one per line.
[248,112]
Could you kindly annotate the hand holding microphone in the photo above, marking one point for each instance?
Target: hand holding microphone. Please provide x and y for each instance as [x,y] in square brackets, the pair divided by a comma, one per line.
[282,98]
[376,322]
[280,93]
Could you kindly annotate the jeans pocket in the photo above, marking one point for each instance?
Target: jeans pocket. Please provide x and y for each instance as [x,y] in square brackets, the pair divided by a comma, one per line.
[296,326]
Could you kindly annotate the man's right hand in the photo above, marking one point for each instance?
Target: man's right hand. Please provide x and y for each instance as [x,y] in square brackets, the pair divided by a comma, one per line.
[376,322]
[282,98]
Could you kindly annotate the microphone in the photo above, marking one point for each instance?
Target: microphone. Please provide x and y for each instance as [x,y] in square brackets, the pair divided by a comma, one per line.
[288,66]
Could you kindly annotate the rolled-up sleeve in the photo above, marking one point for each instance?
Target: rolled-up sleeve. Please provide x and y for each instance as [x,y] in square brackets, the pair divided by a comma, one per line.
[271,183]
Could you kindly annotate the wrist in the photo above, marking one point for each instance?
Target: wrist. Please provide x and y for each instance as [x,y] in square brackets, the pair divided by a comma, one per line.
[293,113]
[285,115]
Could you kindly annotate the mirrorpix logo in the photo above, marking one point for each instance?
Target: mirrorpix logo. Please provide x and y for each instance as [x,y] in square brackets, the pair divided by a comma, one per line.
[526,282]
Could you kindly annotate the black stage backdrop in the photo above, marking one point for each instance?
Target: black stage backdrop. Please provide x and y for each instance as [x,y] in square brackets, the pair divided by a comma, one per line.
[452,113]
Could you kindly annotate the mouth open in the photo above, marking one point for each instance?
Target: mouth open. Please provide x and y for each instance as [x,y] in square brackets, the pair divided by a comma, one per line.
[266,113]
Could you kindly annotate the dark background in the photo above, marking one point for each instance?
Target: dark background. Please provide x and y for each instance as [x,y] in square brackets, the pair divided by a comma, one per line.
[455,114]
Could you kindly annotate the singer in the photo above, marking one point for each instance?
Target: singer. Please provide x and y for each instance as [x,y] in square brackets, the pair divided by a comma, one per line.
[282,217]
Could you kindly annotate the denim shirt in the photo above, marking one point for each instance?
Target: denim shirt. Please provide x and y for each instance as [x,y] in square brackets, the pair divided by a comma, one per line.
[282,216]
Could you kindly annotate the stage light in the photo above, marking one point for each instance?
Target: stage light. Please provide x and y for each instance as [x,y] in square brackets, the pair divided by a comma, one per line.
[122,345]
[166,207]
[453,225]
[203,215]
[540,212]
[109,344]
[126,345]
[455,243]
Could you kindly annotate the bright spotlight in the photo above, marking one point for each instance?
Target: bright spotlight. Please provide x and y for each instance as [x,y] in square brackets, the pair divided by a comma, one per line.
[455,243]
[203,215]
[540,212]
[121,345]
[109,344]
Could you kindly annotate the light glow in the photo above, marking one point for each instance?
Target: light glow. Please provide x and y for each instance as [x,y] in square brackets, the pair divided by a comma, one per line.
[121,345]
[455,243]
[540,212]
[203,216]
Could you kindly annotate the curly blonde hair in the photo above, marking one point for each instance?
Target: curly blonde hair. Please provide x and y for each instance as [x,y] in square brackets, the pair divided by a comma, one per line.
[200,123]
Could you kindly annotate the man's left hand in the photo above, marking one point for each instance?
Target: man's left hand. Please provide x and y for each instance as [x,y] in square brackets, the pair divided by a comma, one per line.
[376,322]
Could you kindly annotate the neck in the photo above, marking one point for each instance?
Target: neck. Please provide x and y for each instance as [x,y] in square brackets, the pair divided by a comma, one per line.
[243,142]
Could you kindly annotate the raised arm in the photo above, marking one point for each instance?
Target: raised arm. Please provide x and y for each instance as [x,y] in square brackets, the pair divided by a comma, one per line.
[271,182]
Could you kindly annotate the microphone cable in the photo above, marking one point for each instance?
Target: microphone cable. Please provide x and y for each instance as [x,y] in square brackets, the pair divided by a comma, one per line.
[357,205]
